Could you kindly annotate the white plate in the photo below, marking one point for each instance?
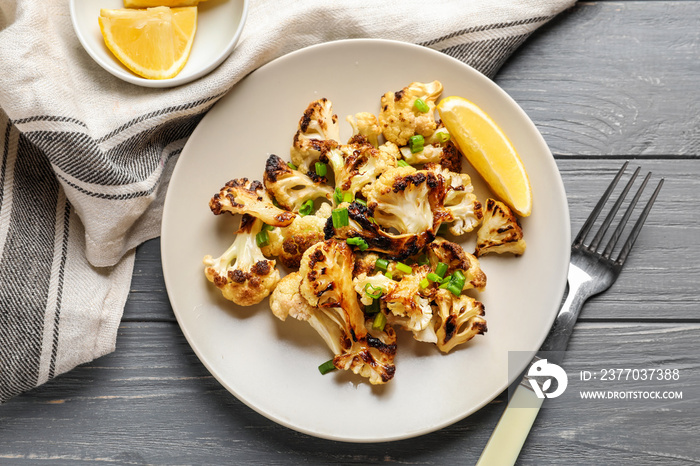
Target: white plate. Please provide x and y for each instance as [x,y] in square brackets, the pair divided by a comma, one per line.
[219,25]
[272,365]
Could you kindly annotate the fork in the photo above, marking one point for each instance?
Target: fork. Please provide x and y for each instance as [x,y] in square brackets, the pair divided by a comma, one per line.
[591,271]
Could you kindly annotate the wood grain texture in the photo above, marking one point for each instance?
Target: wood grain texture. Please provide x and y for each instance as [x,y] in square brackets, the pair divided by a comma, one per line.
[613,78]
[152,402]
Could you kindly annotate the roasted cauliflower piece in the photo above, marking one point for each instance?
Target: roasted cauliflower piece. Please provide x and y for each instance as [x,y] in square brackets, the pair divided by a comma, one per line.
[363,225]
[357,164]
[286,300]
[500,231]
[371,356]
[409,304]
[408,200]
[365,124]
[457,258]
[460,201]
[242,273]
[288,244]
[458,319]
[241,196]
[326,271]
[446,155]
[366,284]
[400,118]
[291,188]
[318,131]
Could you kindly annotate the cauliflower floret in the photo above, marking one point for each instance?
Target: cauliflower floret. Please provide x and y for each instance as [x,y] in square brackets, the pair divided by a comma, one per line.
[326,271]
[288,244]
[286,299]
[372,356]
[500,231]
[364,263]
[318,131]
[365,124]
[365,284]
[399,119]
[446,155]
[409,304]
[291,188]
[409,201]
[242,273]
[362,225]
[241,196]
[457,319]
[457,258]
[357,164]
[460,200]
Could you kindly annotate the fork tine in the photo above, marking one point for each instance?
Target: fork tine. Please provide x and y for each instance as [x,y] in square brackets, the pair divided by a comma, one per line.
[638,226]
[611,215]
[623,222]
[598,208]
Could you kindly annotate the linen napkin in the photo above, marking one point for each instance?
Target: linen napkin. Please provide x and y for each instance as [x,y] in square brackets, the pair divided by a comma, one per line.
[85,158]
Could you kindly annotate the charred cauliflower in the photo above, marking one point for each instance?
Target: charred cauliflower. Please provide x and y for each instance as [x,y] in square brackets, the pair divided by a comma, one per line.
[459,319]
[456,258]
[291,188]
[318,131]
[241,196]
[242,273]
[500,232]
[400,116]
[460,201]
[365,124]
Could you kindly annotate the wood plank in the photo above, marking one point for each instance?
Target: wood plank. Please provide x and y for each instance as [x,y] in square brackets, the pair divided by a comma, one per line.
[153,402]
[613,78]
[659,281]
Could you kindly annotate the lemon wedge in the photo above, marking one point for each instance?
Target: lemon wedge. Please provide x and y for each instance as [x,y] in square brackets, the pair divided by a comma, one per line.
[154,43]
[151,3]
[489,151]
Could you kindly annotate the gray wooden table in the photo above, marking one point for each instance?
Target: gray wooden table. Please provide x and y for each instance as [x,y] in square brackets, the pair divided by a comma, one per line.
[604,83]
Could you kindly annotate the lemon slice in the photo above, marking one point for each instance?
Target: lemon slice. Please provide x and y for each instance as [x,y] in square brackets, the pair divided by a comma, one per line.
[154,43]
[150,3]
[489,151]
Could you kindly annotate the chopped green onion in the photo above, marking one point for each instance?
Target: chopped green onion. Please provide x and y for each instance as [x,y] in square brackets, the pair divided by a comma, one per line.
[445,282]
[381,264]
[373,308]
[321,169]
[415,143]
[423,259]
[379,322]
[267,227]
[359,242]
[338,195]
[347,197]
[389,275]
[326,367]
[442,136]
[307,207]
[375,293]
[433,277]
[401,267]
[291,165]
[453,288]
[425,283]
[361,201]
[441,269]
[340,218]
[421,106]
[402,163]
[458,279]
[262,239]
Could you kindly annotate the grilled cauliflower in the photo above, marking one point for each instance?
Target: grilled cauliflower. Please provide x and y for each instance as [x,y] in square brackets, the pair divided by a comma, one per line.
[241,196]
[457,258]
[357,164]
[409,304]
[409,201]
[288,244]
[318,131]
[242,273]
[500,231]
[460,201]
[371,356]
[458,319]
[399,118]
[446,155]
[366,284]
[365,124]
[291,188]
[286,300]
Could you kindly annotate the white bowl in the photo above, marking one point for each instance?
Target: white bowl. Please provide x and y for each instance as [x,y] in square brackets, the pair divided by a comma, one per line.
[220,23]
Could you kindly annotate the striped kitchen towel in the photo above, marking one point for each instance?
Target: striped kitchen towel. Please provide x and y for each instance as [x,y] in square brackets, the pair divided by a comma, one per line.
[85,158]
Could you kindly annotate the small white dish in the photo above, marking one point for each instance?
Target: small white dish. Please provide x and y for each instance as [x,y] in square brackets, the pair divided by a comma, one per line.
[271,365]
[220,23]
